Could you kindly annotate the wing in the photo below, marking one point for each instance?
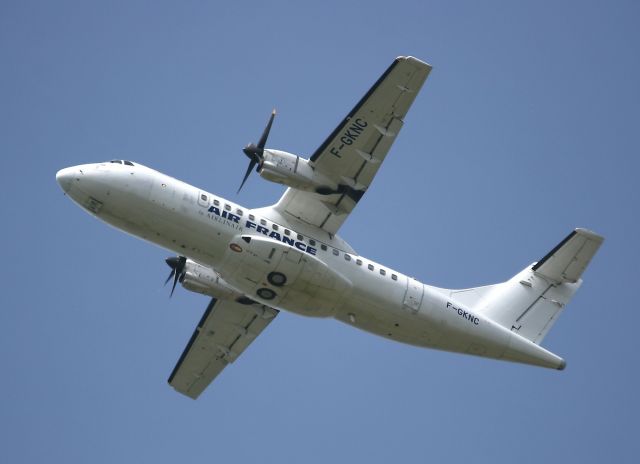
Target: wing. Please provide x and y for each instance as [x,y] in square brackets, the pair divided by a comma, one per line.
[226,329]
[353,153]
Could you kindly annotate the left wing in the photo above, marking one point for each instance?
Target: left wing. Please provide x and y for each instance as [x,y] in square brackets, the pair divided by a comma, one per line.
[353,153]
[226,329]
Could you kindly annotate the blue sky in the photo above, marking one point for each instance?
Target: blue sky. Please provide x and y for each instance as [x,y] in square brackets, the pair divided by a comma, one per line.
[526,128]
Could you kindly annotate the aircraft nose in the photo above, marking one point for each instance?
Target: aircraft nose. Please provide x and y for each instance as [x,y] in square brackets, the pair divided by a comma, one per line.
[64,177]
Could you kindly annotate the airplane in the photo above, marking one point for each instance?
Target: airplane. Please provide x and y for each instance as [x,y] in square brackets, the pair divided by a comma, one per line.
[253,263]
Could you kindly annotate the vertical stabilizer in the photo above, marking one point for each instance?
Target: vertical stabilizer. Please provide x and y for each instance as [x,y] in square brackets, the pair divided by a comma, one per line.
[531,301]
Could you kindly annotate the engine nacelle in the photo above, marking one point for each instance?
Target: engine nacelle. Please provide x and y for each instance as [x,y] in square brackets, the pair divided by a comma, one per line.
[202,279]
[288,169]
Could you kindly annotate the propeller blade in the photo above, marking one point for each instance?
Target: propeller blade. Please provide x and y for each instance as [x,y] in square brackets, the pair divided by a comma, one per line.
[265,134]
[170,276]
[175,281]
[252,163]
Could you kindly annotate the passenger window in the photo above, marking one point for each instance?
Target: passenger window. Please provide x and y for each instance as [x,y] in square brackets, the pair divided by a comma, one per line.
[203,197]
[312,242]
[252,217]
[383,272]
[287,232]
[275,227]
[239,212]
[227,207]
[300,237]
[216,202]
[370,266]
[263,222]
[394,277]
[347,257]
[335,252]
[324,247]
[359,262]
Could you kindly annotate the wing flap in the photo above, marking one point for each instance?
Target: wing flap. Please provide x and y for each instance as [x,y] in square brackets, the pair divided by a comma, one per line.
[226,329]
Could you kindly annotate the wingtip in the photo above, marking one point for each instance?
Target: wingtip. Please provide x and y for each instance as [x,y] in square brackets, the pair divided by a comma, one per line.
[591,234]
[414,60]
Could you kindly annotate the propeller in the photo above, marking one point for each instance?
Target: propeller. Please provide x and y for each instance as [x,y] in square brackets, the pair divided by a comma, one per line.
[177,265]
[254,152]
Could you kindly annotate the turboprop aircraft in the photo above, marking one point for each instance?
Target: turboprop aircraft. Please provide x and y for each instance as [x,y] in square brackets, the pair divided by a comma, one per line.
[257,262]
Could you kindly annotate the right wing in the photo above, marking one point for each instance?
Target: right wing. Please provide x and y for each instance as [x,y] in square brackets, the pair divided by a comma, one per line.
[226,329]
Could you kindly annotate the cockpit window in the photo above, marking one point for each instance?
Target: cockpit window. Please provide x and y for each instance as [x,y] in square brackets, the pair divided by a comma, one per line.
[128,163]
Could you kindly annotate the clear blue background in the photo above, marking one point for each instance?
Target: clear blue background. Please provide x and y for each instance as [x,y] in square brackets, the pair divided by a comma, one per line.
[526,128]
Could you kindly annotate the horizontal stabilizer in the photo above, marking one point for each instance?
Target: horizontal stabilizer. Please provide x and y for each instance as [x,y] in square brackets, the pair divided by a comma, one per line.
[568,260]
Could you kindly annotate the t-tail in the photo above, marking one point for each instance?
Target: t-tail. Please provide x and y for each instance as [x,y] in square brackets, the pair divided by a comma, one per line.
[530,302]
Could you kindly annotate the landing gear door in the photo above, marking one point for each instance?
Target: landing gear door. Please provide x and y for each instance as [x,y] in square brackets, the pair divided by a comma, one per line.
[290,265]
[413,297]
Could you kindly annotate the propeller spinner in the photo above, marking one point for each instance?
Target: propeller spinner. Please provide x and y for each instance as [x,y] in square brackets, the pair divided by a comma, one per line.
[254,152]
[177,265]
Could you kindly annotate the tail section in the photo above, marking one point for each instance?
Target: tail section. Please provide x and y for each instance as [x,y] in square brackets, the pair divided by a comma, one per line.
[568,260]
[528,304]
[531,301]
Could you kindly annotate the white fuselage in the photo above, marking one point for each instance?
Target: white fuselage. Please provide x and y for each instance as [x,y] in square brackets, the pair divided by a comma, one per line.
[326,277]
